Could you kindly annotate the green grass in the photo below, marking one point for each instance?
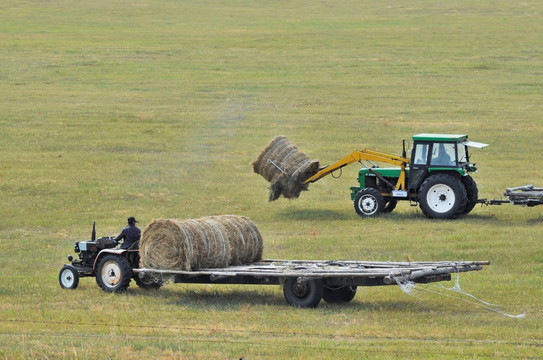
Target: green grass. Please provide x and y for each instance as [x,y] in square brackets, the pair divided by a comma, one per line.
[157,108]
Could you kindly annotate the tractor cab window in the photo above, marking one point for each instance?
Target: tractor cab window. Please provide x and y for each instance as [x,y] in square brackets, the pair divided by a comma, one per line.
[443,154]
[421,154]
[462,154]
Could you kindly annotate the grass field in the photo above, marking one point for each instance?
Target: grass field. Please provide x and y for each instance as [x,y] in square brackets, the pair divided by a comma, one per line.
[157,108]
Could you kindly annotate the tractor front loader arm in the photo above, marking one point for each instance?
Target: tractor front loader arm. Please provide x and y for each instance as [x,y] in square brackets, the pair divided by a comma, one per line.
[358,156]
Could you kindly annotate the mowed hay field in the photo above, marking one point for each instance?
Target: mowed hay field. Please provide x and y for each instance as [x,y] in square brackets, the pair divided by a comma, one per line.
[157,109]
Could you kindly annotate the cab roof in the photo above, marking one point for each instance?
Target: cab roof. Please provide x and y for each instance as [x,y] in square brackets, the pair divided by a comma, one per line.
[449,138]
[440,137]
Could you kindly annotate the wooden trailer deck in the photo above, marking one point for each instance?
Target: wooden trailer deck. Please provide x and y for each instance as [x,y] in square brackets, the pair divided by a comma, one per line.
[305,282]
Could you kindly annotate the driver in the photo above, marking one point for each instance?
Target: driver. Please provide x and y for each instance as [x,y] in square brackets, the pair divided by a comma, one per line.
[443,157]
[131,234]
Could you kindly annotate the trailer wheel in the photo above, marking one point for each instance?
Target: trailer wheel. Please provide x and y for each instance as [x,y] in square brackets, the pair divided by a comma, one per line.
[471,191]
[303,294]
[369,202]
[148,282]
[442,196]
[113,273]
[340,294]
[68,277]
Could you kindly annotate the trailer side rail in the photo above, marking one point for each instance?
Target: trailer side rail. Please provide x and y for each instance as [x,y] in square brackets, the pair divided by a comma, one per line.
[327,269]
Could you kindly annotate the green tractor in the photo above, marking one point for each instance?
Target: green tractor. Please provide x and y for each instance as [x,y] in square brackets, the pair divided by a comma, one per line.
[436,177]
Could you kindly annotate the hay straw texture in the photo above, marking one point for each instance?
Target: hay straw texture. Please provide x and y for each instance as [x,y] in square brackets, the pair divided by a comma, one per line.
[208,242]
[285,167]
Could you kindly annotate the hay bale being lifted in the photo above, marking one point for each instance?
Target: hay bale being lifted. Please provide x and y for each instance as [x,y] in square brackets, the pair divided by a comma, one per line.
[285,167]
[208,242]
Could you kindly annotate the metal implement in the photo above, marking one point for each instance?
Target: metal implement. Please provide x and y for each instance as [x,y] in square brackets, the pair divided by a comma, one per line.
[368,155]
[526,195]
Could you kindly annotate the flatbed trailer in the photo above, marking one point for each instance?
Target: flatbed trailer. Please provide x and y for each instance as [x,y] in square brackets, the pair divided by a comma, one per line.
[306,282]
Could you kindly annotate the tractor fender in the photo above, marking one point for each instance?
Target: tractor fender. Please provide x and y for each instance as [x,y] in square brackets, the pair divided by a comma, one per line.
[454,171]
[101,254]
[433,171]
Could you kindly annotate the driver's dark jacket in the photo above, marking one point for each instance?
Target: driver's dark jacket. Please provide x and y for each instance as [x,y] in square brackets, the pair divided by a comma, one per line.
[130,234]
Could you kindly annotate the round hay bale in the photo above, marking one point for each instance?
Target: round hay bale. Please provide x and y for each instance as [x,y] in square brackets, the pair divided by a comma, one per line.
[245,239]
[286,167]
[269,164]
[208,242]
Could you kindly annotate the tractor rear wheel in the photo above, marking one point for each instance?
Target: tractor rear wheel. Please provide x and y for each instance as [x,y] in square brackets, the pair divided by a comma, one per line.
[471,191]
[369,202]
[442,196]
[113,273]
[68,277]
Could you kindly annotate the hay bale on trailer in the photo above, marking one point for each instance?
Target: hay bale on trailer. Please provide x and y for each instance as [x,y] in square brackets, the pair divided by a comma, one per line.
[286,168]
[208,242]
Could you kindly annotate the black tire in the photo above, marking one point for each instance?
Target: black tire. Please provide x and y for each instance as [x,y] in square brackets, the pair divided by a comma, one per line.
[113,273]
[471,191]
[369,202]
[442,196]
[340,294]
[148,282]
[68,277]
[390,205]
[304,294]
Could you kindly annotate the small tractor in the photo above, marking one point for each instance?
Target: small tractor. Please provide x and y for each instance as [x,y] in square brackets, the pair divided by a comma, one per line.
[112,267]
[436,177]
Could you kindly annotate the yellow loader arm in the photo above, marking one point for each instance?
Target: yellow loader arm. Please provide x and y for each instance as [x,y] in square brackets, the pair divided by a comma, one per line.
[358,156]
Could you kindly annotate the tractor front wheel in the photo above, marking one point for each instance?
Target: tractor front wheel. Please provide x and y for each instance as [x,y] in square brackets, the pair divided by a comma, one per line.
[442,196]
[113,273]
[390,205]
[369,202]
[68,277]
